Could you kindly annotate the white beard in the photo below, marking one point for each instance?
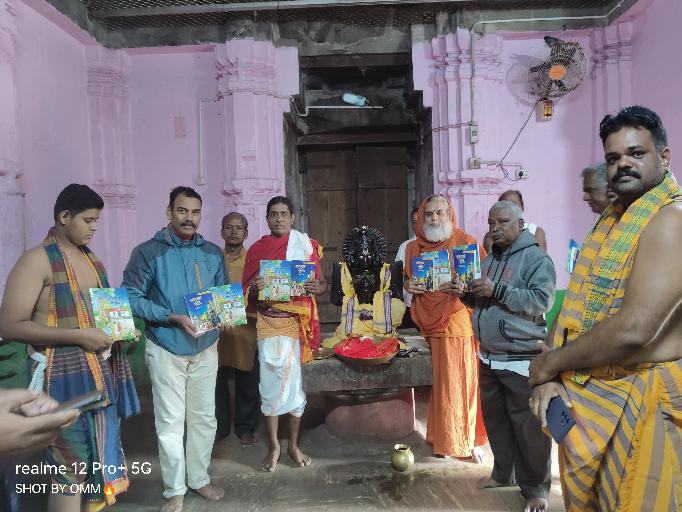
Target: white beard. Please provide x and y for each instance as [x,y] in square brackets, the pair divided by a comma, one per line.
[438,233]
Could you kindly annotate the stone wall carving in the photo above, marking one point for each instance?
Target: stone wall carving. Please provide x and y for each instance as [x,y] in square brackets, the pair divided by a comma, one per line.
[108,100]
[254,98]
[472,191]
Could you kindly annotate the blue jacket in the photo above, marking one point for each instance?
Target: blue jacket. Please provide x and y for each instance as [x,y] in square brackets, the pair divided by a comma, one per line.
[161,271]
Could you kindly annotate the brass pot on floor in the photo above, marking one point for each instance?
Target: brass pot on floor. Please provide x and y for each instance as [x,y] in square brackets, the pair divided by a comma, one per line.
[402,458]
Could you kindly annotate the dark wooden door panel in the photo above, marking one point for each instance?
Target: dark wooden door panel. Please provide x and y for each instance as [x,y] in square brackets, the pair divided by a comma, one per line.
[381,167]
[349,188]
[384,209]
[330,170]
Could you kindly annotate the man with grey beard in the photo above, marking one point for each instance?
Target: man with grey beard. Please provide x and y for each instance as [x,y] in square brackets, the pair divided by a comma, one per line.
[455,424]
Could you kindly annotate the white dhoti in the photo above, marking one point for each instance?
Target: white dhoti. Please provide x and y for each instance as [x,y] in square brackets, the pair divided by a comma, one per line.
[281,388]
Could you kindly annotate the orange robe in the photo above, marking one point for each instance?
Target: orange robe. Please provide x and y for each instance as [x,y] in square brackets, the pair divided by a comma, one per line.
[455,422]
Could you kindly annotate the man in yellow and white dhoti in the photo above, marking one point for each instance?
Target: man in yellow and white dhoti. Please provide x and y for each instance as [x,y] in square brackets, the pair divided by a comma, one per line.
[618,358]
[287,332]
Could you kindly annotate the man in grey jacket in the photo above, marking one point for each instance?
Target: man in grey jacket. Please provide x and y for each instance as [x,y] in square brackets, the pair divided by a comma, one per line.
[516,289]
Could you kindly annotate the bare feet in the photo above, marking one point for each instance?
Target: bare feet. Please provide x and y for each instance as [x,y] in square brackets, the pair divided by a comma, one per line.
[299,458]
[248,439]
[478,455]
[173,504]
[270,461]
[536,504]
[488,483]
[210,492]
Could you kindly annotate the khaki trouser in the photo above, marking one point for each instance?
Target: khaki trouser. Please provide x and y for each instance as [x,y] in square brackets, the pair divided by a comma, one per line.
[183,388]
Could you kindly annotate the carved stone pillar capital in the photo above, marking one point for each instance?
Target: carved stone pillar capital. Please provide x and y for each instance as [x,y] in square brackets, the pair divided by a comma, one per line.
[246,66]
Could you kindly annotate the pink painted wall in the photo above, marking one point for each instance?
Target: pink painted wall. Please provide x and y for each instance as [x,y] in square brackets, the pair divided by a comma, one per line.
[554,152]
[165,91]
[128,123]
[52,116]
[656,61]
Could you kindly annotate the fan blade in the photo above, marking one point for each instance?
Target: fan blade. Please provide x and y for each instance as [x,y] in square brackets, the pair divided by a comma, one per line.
[552,41]
[560,85]
[540,67]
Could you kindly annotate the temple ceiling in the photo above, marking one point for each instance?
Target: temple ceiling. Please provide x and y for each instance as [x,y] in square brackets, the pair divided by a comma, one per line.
[142,23]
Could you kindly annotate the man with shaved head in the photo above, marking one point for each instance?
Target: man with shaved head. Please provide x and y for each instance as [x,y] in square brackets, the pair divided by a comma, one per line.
[237,348]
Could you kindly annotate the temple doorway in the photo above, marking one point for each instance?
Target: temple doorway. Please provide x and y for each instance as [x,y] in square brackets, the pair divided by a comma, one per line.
[355,186]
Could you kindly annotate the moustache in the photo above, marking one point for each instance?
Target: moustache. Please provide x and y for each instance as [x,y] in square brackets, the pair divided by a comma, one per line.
[625,172]
[189,224]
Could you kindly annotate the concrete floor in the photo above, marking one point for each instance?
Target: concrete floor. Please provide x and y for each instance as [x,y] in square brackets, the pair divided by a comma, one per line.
[344,475]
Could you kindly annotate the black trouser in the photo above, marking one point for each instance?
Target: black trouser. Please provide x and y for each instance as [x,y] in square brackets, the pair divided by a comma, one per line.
[522,451]
[246,400]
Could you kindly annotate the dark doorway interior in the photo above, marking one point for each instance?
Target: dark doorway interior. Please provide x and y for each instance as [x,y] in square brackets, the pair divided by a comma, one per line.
[348,166]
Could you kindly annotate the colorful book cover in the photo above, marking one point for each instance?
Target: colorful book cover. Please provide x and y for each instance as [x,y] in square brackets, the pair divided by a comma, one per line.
[203,316]
[277,275]
[111,309]
[441,267]
[473,248]
[573,254]
[301,271]
[228,305]
[422,271]
[465,264]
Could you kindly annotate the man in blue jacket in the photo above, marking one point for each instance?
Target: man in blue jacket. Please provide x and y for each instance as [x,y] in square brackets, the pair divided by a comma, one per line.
[182,364]
[516,290]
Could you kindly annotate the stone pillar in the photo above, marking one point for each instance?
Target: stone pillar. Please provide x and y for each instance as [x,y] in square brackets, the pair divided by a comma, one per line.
[255,82]
[12,238]
[472,191]
[108,73]
[611,73]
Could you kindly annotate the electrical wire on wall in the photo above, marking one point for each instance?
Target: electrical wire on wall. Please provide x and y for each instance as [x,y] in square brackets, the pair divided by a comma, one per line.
[500,162]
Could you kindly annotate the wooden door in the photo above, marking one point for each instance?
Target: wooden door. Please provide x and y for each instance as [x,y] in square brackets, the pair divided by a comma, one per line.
[332,211]
[382,193]
[366,185]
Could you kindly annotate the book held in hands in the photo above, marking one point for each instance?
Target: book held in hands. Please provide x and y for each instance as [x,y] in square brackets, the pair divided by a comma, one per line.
[219,306]
[199,312]
[441,271]
[301,272]
[277,276]
[467,262]
[112,313]
[422,272]
[228,301]
[285,279]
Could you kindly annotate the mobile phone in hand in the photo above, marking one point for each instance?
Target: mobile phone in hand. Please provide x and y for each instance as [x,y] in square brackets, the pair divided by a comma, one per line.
[82,402]
[560,419]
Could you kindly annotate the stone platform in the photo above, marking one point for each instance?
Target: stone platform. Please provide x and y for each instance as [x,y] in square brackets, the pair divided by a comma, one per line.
[369,401]
[326,375]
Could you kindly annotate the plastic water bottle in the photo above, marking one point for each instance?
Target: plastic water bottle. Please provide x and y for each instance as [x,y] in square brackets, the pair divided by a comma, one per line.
[354,99]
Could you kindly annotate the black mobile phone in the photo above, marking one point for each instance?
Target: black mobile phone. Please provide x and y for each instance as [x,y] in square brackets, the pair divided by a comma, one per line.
[559,418]
[80,402]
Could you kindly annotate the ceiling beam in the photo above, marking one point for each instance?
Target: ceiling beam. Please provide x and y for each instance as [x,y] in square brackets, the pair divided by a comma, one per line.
[369,60]
[255,6]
